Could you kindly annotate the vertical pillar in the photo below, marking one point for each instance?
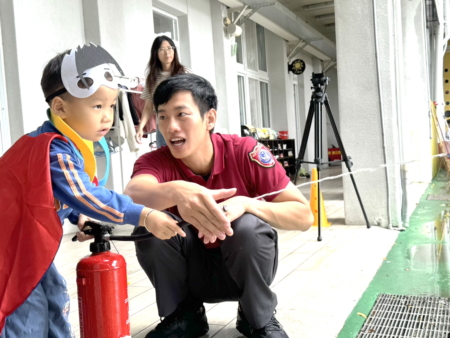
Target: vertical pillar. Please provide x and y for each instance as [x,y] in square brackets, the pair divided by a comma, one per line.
[225,71]
[10,57]
[367,108]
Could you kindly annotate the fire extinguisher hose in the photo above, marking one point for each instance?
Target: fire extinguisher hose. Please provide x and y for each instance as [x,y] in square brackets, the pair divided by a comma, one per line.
[131,238]
[136,238]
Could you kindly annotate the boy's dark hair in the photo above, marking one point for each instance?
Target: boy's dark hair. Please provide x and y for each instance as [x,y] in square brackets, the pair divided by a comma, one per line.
[202,92]
[51,76]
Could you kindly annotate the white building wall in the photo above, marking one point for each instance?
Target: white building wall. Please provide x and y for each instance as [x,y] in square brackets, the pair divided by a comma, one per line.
[360,116]
[415,103]
[281,85]
[384,114]
[228,119]
[56,26]
[201,39]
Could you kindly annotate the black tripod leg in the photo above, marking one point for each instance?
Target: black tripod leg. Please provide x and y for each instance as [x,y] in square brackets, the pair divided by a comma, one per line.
[301,153]
[318,161]
[344,155]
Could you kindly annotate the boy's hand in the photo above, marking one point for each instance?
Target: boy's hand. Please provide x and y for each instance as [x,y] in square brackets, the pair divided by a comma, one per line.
[81,236]
[162,225]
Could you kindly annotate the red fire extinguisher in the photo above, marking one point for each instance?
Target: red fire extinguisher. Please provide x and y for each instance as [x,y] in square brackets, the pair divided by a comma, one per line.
[102,290]
[102,285]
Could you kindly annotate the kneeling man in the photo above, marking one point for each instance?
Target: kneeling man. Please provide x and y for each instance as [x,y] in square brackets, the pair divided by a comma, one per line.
[212,181]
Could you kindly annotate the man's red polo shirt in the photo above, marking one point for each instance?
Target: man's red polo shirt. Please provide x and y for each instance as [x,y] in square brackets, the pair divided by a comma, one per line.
[239,162]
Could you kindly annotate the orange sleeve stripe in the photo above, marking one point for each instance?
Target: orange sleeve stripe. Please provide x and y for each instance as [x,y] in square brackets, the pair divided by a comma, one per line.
[78,195]
[94,199]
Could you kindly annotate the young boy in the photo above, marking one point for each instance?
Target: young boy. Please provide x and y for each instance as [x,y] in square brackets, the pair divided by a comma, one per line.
[48,176]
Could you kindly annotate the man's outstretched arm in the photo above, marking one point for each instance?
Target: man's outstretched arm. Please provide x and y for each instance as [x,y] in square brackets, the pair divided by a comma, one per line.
[289,210]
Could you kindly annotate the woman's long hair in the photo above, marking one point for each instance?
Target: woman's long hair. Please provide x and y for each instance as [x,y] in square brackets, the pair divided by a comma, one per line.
[154,66]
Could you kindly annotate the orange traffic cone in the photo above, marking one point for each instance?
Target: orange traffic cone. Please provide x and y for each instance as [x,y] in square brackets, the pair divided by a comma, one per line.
[315,205]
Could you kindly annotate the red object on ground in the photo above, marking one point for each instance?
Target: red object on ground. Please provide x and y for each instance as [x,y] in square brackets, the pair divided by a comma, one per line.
[334,154]
[283,135]
[103,296]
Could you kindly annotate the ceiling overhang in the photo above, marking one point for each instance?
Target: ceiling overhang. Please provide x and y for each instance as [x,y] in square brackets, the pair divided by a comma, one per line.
[284,23]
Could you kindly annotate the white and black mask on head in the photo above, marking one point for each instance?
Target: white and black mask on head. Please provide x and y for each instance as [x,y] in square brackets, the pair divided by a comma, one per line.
[87,68]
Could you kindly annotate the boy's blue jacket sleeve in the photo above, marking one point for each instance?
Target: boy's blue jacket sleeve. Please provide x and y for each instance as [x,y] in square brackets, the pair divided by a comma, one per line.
[73,189]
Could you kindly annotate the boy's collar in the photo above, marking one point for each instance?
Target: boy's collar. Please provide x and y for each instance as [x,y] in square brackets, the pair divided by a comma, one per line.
[84,146]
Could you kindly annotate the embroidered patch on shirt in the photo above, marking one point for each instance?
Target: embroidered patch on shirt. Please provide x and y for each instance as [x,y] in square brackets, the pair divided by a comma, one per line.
[262,156]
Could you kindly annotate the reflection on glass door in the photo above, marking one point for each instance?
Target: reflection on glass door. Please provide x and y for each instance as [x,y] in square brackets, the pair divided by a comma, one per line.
[265,111]
[254,98]
[241,89]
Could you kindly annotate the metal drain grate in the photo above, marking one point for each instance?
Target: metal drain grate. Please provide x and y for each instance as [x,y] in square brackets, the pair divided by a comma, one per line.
[408,317]
[436,197]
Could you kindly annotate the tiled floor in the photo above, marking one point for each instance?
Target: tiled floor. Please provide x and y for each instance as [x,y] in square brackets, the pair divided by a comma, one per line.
[317,283]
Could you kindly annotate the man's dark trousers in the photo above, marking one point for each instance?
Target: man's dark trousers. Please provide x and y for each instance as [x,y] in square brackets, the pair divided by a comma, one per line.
[241,269]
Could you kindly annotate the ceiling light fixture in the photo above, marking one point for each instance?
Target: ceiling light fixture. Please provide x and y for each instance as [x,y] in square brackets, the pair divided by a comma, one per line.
[320,5]
[325,17]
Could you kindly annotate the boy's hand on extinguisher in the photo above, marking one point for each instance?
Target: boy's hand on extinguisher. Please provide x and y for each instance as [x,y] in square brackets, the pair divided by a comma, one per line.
[160,224]
[81,236]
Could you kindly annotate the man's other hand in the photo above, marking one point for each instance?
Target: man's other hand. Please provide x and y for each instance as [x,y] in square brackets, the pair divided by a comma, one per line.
[197,205]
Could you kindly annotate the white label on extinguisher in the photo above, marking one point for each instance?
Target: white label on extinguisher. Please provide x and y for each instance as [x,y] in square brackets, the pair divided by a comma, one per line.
[126,337]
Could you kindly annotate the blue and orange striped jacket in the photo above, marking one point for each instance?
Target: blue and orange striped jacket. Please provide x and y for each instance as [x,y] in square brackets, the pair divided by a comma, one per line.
[75,194]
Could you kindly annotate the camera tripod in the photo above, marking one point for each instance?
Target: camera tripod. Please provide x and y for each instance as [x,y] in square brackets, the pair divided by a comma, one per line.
[319,98]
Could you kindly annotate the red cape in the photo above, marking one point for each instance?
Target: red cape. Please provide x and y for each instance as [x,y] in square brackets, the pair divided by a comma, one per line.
[30,229]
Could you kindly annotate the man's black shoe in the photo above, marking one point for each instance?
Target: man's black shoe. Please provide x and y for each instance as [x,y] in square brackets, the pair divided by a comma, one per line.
[182,324]
[273,328]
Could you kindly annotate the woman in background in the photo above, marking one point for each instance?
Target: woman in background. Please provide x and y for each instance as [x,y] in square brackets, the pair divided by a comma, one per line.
[163,64]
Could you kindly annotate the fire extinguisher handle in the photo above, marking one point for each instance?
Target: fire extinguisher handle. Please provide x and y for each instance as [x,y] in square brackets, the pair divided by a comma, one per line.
[87,232]
[91,225]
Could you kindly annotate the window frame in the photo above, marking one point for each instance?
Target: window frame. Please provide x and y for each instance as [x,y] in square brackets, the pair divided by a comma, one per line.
[175,20]
[258,75]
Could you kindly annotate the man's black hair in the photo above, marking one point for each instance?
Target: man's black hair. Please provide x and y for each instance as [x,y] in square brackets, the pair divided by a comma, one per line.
[51,76]
[202,92]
